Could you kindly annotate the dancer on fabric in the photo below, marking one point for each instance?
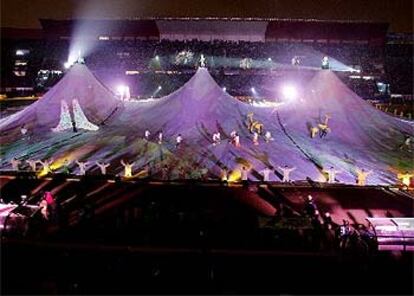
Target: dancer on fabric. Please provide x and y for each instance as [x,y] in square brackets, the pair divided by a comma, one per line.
[224,174]
[362,176]
[178,140]
[46,166]
[268,137]
[102,167]
[286,172]
[331,174]
[314,131]
[127,168]
[82,167]
[405,178]
[255,139]
[266,173]
[216,138]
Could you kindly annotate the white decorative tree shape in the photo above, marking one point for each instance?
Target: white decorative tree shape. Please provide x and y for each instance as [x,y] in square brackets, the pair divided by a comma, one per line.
[80,118]
[65,121]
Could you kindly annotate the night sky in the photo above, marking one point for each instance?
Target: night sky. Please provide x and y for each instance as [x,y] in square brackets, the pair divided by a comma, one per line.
[25,13]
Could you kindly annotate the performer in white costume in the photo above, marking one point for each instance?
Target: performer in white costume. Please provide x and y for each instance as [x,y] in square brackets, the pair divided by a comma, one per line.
[266,174]
[331,174]
[102,167]
[82,167]
[286,172]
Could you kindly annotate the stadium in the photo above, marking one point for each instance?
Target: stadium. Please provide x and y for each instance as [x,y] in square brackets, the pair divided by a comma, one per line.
[206,154]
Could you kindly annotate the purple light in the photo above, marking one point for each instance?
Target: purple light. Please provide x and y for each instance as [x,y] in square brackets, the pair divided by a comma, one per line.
[121,89]
[289,92]
[123,92]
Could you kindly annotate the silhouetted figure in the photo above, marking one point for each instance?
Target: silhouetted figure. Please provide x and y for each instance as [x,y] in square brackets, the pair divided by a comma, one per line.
[164,173]
[310,207]
[327,220]
[74,129]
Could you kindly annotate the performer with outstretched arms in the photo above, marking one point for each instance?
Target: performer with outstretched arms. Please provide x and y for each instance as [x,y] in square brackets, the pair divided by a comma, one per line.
[46,166]
[127,168]
[65,167]
[405,178]
[102,167]
[362,176]
[286,172]
[82,167]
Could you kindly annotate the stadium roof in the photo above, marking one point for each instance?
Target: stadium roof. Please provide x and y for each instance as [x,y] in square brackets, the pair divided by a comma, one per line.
[16,13]
[250,29]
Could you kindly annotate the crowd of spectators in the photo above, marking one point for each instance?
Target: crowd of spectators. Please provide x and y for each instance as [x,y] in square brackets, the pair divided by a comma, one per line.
[399,67]
[238,66]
